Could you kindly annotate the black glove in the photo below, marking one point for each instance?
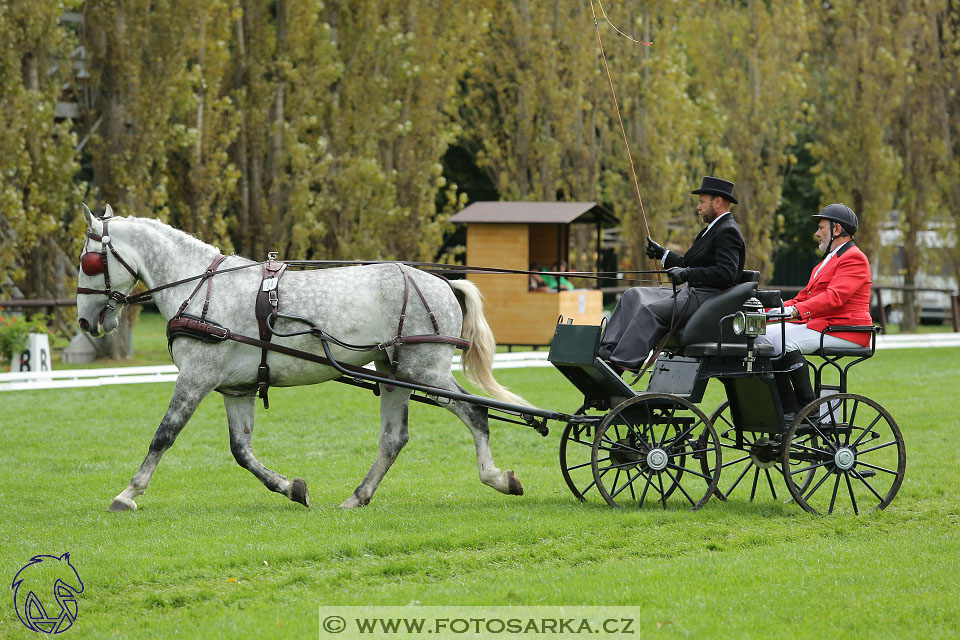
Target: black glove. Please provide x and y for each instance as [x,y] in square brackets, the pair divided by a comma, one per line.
[654,251]
[678,275]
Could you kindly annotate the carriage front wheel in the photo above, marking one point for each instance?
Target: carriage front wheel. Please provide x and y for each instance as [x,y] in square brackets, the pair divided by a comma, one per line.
[854,450]
[656,447]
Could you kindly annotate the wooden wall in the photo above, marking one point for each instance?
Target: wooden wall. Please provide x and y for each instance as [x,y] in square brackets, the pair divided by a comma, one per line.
[516,314]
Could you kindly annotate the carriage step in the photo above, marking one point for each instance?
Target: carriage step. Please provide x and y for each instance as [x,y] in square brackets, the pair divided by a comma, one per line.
[867,473]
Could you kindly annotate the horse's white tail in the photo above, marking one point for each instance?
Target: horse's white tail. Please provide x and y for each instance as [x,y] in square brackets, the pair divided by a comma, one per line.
[478,359]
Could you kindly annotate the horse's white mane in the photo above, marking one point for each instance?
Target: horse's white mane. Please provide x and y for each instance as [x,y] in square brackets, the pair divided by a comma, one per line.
[182,236]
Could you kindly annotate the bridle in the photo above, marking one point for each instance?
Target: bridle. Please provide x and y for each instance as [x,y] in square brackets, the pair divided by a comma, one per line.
[94,263]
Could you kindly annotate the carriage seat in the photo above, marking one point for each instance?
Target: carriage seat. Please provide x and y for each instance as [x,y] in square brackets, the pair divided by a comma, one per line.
[853,351]
[699,336]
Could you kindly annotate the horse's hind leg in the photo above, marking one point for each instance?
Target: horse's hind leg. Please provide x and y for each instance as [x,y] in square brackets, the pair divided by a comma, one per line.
[240,412]
[393,437]
[186,397]
[475,417]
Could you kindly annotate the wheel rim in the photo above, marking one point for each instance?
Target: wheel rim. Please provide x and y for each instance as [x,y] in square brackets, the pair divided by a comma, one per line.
[853,449]
[754,467]
[576,445]
[656,448]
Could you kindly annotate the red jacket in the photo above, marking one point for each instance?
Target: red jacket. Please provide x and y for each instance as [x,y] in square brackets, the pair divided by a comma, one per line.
[839,294]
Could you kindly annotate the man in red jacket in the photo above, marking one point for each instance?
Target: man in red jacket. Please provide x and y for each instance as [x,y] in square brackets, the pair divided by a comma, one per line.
[838,293]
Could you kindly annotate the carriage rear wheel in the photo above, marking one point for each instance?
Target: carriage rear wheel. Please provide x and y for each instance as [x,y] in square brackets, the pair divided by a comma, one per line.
[854,450]
[656,447]
[756,464]
[576,445]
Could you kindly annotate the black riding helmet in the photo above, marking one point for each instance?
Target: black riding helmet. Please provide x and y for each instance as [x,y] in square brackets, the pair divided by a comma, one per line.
[840,213]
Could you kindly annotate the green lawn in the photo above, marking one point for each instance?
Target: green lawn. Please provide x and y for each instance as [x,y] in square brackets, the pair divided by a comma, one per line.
[212,554]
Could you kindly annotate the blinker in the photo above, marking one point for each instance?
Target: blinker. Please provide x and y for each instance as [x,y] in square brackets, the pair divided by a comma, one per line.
[92,264]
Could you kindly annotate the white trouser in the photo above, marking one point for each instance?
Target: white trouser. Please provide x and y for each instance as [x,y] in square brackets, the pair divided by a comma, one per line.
[800,338]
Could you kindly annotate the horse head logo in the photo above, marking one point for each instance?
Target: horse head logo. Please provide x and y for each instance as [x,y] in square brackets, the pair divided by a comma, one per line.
[46,580]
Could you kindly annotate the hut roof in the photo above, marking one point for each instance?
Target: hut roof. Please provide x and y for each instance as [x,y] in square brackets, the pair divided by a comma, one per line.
[535,213]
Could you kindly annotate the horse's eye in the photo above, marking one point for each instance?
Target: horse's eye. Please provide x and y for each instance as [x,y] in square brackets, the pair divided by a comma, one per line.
[92,263]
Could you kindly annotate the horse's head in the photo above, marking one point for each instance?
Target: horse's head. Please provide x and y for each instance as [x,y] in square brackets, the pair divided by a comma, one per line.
[106,278]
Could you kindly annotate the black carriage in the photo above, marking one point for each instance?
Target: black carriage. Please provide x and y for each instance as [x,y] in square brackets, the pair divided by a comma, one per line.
[842,452]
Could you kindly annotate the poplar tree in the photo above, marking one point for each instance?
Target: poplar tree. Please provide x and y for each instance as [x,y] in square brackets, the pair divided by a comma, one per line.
[37,242]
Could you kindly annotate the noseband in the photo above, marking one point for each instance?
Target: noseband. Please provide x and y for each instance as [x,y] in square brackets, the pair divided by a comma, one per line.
[94,263]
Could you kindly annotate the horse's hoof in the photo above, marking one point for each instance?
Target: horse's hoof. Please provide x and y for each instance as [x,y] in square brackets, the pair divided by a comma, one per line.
[353,502]
[514,488]
[299,493]
[122,504]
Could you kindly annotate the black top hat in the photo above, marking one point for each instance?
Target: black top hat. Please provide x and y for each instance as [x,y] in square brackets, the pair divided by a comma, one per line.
[717,187]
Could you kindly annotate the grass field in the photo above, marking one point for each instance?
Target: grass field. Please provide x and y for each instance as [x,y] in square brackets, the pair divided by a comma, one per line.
[212,554]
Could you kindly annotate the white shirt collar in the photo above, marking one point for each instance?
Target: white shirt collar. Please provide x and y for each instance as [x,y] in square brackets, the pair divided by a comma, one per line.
[827,259]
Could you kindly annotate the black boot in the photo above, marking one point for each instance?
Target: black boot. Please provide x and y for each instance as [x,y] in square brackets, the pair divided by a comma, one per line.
[788,399]
[802,387]
[796,367]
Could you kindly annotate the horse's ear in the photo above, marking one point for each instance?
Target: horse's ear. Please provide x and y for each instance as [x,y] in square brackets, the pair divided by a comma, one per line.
[93,224]
[108,212]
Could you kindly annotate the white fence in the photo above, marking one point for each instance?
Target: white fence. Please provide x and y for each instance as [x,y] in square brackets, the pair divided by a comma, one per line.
[64,378]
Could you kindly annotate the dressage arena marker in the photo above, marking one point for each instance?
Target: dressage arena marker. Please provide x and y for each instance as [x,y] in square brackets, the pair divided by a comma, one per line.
[65,378]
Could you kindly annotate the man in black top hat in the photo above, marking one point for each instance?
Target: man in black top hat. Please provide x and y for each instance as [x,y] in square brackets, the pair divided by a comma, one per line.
[714,263]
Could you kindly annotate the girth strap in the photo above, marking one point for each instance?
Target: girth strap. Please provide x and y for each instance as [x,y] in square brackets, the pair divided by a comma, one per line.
[268,297]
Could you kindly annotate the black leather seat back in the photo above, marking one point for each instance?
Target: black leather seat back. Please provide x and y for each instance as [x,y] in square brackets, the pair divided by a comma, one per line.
[704,325]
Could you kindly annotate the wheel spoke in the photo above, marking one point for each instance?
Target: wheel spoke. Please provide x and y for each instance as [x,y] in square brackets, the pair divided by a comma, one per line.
[614,485]
[810,449]
[680,454]
[833,498]
[618,466]
[814,466]
[680,486]
[686,470]
[880,446]
[666,427]
[687,432]
[586,464]
[739,478]
[727,464]
[814,490]
[770,482]
[663,495]
[864,481]
[644,494]
[853,500]
[853,415]
[621,446]
[628,483]
[867,430]
[873,466]
[826,440]
[633,495]
[753,490]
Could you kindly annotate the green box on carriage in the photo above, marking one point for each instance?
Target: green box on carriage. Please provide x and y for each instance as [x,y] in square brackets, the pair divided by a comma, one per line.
[574,344]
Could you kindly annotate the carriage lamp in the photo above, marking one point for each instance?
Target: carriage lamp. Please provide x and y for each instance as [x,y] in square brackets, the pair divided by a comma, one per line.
[752,321]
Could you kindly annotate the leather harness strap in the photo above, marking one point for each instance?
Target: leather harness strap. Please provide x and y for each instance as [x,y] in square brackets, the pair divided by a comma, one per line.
[208,277]
[267,303]
[268,297]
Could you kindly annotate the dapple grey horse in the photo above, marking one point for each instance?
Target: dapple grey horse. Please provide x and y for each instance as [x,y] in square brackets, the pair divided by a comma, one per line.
[356,304]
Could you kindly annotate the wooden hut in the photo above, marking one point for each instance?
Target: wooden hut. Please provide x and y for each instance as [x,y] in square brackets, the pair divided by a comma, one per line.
[514,235]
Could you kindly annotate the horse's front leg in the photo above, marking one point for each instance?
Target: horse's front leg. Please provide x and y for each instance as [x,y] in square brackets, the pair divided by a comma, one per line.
[186,397]
[393,437]
[240,413]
